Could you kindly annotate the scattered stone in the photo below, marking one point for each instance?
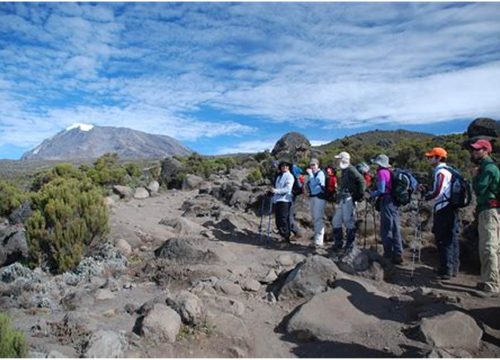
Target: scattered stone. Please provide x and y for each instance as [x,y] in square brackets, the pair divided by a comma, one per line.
[104,294]
[124,192]
[228,287]
[188,306]
[251,285]
[183,226]
[191,182]
[123,247]
[54,354]
[153,186]
[141,193]
[451,330]
[162,323]
[130,309]
[106,344]
[270,277]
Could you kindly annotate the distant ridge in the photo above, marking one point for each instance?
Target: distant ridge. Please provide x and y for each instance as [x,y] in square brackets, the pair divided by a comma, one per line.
[83,141]
[377,137]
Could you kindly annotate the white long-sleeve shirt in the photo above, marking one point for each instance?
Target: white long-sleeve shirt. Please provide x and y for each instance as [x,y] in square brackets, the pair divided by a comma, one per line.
[283,186]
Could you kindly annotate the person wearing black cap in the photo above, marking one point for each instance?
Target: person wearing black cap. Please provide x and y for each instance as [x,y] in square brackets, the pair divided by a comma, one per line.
[282,198]
[486,185]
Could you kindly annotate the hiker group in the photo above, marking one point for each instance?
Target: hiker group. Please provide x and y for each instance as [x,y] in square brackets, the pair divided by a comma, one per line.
[346,185]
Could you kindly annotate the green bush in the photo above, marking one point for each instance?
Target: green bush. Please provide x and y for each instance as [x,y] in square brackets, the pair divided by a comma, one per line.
[198,165]
[11,197]
[12,342]
[68,215]
[255,176]
[107,171]
[61,170]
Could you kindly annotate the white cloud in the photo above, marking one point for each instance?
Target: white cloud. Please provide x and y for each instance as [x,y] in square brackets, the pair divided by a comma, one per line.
[247,147]
[155,66]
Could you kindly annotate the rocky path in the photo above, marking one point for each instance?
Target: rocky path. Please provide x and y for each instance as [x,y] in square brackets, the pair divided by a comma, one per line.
[235,295]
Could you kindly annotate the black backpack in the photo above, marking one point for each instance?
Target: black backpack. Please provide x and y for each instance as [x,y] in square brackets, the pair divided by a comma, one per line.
[460,189]
[404,184]
[298,186]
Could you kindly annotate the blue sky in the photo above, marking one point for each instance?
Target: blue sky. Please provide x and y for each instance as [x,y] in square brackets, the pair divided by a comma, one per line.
[235,77]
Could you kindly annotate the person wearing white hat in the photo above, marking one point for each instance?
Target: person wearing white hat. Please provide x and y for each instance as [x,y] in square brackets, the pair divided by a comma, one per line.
[352,187]
[390,228]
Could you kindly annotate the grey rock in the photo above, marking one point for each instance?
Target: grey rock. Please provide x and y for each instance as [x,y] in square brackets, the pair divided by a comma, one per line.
[183,226]
[14,245]
[123,247]
[251,285]
[453,329]
[106,344]
[153,186]
[141,193]
[189,307]
[170,170]
[293,147]
[312,276]
[228,287]
[185,250]
[125,192]
[21,214]
[191,182]
[328,315]
[162,323]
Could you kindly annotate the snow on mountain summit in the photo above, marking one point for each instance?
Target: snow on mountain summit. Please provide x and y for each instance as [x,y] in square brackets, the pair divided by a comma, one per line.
[82,127]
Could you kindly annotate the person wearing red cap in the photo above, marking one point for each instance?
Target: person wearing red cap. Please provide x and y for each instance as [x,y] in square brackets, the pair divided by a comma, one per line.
[445,225]
[486,184]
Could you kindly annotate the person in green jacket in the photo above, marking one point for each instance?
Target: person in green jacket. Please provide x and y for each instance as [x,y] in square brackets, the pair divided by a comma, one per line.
[486,183]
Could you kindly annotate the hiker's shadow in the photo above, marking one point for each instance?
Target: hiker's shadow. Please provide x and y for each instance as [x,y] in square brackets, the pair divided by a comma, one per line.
[337,349]
[225,230]
[372,304]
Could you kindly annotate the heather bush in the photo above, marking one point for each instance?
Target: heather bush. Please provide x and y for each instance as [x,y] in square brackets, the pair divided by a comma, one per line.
[11,197]
[107,171]
[68,216]
[12,342]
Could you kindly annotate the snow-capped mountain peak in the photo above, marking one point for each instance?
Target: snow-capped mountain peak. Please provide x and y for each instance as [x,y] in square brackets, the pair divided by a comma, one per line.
[82,127]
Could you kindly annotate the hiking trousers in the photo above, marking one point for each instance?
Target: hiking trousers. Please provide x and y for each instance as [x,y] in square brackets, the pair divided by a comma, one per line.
[345,214]
[445,229]
[293,224]
[283,218]
[489,247]
[317,206]
[390,227]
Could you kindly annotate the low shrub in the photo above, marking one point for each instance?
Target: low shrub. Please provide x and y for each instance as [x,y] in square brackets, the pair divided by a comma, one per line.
[68,216]
[11,197]
[12,342]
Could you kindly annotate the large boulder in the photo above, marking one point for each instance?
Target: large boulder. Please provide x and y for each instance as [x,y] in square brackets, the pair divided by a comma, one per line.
[484,127]
[311,277]
[14,245]
[183,226]
[186,250]
[451,330]
[170,169]
[292,147]
[328,315]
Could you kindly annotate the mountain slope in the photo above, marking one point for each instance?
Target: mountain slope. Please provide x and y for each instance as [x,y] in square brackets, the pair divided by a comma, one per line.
[88,142]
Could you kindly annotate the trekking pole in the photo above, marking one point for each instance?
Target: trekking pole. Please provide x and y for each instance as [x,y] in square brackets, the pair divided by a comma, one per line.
[261,213]
[417,242]
[268,238]
[375,225]
[366,217]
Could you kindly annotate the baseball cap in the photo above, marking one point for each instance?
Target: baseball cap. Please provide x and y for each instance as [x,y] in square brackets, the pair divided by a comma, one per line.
[482,144]
[437,151]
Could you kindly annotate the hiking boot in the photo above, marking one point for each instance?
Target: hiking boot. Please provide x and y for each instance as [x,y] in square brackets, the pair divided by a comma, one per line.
[444,276]
[397,260]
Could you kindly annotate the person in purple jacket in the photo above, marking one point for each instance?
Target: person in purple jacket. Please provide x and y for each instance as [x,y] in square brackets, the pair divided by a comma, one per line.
[390,228]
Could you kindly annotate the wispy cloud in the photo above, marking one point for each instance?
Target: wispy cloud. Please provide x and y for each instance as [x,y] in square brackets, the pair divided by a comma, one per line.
[155,66]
